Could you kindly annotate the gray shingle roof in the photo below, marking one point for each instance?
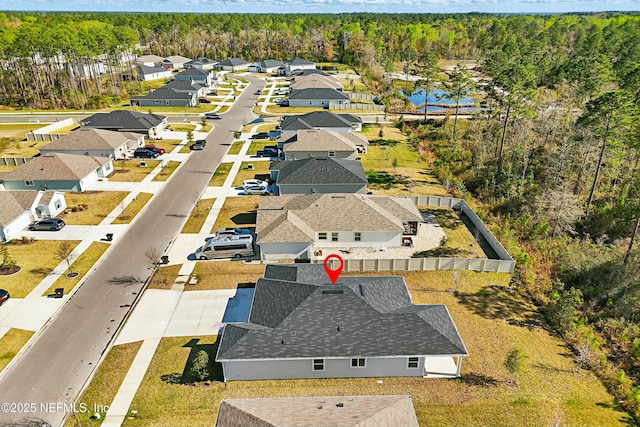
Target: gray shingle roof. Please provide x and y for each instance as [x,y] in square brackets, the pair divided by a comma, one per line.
[143,69]
[185,85]
[319,119]
[268,63]
[323,140]
[166,92]
[233,62]
[90,139]
[299,61]
[318,93]
[193,72]
[122,120]
[319,170]
[318,411]
[364,316]
[14,203]
[201,61]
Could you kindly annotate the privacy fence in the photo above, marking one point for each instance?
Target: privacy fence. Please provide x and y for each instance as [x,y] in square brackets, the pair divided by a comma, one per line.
[503,264]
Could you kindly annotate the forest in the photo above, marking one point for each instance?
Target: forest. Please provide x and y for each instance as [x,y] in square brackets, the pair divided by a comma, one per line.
[552,161]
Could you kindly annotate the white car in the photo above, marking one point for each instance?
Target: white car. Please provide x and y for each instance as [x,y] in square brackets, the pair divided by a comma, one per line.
[279,101]
[253,182]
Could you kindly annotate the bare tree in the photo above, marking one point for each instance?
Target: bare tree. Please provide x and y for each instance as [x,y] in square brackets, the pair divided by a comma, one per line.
[64,252]
[153,255]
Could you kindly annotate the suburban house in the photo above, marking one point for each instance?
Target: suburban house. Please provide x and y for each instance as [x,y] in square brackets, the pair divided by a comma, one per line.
[304,79]
[166,96]
[234,64]
[296,226]
[317,97]
[295,64]
[302,326]
[58,171]
[149,60]
[95,142]
[321,120]
[188,86]
[322,143]
[318,175]
[175,61]
[153,73]
[201,63]
[195,75]
[318,411]
[18,209]
[127,121]
[267,66]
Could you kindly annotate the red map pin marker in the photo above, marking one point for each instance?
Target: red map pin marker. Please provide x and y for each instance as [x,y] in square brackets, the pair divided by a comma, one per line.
[333,274]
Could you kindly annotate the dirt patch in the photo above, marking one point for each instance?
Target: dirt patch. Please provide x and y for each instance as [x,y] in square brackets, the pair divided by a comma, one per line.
[10,271]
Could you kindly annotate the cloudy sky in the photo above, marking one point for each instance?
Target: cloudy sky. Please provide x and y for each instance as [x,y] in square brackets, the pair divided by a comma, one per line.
[324,6]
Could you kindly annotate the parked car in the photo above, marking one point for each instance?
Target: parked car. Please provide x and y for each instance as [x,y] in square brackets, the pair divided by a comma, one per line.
[248,182]
[204,101]
[53,224]
[4,295]
[213,116]
[258,92]
[281,91]
[155,149]
[256,189]
[144,153]
[261,135]
[279,101]
[201,141]
[229,231]
[267,152]
[196,146]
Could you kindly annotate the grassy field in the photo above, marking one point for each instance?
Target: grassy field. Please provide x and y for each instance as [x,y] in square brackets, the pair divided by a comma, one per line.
[11,343]
[164,276]
[167,170]
[97,205]
[13,141]
[491,319]
[220,175]
[131,170]
[224,275]
[181,127]
[237,212]
[81,265]
[260,171]
[132,209]
[37,260]
[235,147]
[105,383]
[460,241]
[197,217]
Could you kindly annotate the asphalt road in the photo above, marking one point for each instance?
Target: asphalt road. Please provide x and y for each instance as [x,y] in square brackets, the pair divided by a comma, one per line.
[49,376]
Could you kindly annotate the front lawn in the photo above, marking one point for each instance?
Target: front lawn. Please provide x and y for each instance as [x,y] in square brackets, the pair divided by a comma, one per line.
[224,275]
[132,209]
[168,144]
[37,259]
[220,175]
[81,265]
[260,171]
[166,171]
[91,207]
[235,147]
[11,343]
[132,170]
[237,212]
[181,127]
[198,216]
[164,276]
[258,144]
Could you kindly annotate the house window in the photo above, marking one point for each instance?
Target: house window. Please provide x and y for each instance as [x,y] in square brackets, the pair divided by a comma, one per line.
[334,237]
[359,362]
[318,364]
[412,363]
[322,236]
[29,183]
[332,154]
[357,236]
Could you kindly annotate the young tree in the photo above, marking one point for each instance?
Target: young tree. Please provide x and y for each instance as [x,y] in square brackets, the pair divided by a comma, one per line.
[63,252]
[200,367]
[153,256]
[6,261]
[514,362]
[427,69]
[190,136]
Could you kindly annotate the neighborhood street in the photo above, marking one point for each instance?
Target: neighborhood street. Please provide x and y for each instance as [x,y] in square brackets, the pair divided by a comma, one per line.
[46,380]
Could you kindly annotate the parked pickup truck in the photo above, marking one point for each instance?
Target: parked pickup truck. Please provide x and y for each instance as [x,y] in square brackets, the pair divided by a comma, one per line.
[269,151]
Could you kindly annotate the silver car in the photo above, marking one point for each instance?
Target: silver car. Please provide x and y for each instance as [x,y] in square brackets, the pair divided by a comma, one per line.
[48,224]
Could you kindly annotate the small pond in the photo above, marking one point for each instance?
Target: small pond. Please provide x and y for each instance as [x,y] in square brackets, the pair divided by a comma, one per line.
[438,101]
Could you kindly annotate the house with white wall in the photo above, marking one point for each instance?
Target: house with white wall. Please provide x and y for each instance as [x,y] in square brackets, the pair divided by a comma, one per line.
[18,209]
[95,142]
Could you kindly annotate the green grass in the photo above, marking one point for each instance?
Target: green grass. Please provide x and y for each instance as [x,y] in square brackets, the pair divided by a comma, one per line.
[11,343]
[460,242]
[132,209]
[13,141]
[91,206]
[220,175]
[81,265]
[260,171]
[37,260]
[258,144]
[105,383]
[130,170]
[181,127]
[237,212]
[166,171]
[198,216]
[235,147]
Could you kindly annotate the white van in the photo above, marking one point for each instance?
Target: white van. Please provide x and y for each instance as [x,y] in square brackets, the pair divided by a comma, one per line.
[226,247]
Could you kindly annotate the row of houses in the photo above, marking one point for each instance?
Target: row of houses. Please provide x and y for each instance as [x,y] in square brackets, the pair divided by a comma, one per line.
[185,90]
[71,163]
